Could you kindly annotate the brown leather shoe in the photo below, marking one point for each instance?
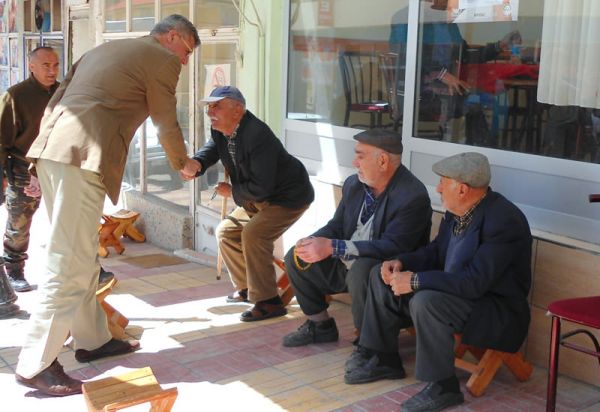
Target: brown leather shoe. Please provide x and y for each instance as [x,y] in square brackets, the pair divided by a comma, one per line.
[52,381]
[111,348]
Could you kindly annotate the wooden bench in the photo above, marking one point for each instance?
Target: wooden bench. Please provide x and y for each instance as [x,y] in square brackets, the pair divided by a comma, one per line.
[488,363]
[126,390]
[116,321]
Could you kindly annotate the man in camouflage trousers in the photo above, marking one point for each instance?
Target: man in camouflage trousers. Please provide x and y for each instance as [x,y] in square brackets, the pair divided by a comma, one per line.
[21,110]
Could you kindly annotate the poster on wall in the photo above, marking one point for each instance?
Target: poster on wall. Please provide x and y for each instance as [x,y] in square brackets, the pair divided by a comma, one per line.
[216,75]
[477,11]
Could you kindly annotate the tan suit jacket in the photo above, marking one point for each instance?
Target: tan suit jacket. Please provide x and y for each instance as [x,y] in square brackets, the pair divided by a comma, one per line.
[105,97]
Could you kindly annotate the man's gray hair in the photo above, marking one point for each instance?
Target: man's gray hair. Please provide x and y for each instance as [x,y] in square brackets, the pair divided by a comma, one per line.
[178,23]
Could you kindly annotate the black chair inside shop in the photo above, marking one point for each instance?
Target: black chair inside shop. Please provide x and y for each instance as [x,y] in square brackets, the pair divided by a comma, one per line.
[363,87]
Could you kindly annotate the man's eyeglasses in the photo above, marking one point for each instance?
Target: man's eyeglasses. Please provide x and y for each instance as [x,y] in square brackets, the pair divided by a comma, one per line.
[187,46]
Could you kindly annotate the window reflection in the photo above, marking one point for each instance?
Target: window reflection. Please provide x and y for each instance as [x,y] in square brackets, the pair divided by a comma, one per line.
[343,74]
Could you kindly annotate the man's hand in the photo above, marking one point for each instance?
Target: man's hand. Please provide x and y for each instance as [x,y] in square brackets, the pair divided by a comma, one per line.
[313,249]
[387,269]
[455,85]
[190,169]
[33,189]
[400,283]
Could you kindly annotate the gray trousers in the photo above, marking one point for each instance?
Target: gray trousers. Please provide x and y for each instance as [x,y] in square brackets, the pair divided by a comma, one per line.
[327,277]
[436,316]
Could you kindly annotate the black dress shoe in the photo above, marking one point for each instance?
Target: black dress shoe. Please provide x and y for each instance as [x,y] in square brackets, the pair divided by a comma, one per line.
[104,277]
[432,398]
[374,370]
[359,357]
[52,381]
[312,332]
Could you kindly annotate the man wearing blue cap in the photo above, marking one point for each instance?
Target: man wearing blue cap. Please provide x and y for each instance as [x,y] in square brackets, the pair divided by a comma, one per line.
[473,278]
[271,189]
[385,210]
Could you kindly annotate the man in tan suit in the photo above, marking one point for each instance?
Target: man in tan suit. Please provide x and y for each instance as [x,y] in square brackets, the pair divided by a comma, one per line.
[79,157]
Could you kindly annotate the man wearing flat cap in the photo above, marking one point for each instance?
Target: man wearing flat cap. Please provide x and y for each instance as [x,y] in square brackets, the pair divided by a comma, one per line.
[473,279]
[384,210]
[271,189]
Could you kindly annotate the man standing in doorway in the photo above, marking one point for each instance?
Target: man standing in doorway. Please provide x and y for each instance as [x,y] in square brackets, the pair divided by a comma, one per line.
[21,110]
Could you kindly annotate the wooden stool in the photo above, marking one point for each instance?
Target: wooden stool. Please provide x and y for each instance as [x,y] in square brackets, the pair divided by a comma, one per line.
[108,238]
[116,321]
[489,361]
[123,391]
[126,219]
[283,283]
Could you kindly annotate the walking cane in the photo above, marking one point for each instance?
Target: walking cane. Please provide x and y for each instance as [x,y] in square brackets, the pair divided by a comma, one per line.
[223,212]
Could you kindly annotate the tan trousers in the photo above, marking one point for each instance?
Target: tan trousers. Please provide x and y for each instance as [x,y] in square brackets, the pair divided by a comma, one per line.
[246,241]
[74,199]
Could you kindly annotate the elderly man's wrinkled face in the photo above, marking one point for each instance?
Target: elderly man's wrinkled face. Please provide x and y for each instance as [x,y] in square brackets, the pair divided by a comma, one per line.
[224,115]
[368,163]
[450,191]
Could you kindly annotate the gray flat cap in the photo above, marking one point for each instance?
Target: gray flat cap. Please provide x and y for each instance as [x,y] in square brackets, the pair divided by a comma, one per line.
[385,139]
[470,168]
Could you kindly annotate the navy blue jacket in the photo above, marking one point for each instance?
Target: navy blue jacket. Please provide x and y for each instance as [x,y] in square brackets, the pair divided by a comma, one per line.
[264,170]
[495,272]
[401,222]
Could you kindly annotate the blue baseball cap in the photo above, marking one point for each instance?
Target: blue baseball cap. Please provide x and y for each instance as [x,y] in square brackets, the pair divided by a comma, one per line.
[223,92]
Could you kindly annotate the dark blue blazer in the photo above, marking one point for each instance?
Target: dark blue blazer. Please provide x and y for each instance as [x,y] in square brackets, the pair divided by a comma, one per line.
[263,170]
[401,222]
[495,272]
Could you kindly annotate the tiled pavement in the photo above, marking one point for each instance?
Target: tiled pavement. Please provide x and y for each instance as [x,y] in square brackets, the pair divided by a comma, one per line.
[192,339]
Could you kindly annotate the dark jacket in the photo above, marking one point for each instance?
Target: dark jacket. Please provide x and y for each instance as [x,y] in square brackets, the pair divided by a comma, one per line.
[21,110]
[264,170]
[402,219]
[495,272]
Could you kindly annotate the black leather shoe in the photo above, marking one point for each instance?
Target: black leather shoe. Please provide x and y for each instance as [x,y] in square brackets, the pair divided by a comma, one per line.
[359,357]
[19,284]
[372,371]
[432,398]
[312,332]
[52,381]
[104,277]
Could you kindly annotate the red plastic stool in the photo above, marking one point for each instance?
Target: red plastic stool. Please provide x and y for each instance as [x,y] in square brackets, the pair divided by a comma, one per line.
[584,311]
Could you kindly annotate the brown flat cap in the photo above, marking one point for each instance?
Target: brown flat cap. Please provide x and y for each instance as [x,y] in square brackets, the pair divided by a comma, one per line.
[385,139]
[471,168]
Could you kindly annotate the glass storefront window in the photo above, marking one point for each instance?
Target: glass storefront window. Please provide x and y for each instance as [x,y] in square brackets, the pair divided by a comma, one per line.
[216,13]
[342,67]
[218,68]
[477,73]
[480,80]
[175,7]
[142,15]
[161,179]
[114,16]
